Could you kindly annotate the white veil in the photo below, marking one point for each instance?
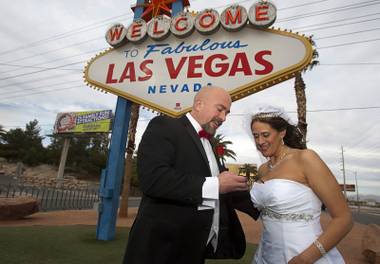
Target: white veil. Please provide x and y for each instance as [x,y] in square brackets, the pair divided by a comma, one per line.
[263,110]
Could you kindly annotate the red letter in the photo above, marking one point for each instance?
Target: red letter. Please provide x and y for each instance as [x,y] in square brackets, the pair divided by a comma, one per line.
[240,57]
[110,73]
[268,66]
[115,33]
[222,66]
[173,72]
[136,30]
[201,20]
[128,73]
[261,16]
[148,72]
[193,65]
[176,25]
[233,19]
[155,29]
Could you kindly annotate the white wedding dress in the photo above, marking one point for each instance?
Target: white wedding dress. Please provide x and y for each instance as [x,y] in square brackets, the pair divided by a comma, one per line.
[290,213]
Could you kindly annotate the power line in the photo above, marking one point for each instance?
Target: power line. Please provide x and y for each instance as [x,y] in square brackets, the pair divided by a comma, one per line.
[349,43]
[50,51]
[363,136]
[48,69]
[326,110]
[335,21]
[67,57]
[305,4]
[351,64]
[330,10]
[42,92]
[36,88]
[37,67]
[58,36]
[37,80]
[362,144]
[343,109]
[374,149]
[341,25]
[346,34]
[372,145]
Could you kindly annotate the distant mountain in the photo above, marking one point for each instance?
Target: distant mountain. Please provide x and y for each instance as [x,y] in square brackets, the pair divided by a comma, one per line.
[365,197]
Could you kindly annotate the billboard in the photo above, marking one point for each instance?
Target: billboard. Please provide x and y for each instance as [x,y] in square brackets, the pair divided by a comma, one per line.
[349,187]
[83,122]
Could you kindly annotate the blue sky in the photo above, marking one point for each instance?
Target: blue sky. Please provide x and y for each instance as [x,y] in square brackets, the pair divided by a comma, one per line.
[342,93]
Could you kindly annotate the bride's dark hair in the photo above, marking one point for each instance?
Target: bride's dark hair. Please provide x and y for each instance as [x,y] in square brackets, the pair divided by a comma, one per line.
[293,137]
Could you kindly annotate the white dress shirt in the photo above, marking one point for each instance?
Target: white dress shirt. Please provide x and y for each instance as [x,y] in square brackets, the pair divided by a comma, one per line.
[210,188]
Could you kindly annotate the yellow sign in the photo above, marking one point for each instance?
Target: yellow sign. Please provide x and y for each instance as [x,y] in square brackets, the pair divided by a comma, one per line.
[83,122]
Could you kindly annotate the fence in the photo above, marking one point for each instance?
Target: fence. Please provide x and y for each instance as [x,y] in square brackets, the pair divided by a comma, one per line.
[51,199]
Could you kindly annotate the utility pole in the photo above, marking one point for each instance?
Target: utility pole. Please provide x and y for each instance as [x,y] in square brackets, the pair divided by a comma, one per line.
[357,191]
[344,175]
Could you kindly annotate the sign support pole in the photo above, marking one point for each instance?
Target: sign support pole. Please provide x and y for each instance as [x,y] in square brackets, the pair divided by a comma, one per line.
[109,189]
[62,163]
[177,7]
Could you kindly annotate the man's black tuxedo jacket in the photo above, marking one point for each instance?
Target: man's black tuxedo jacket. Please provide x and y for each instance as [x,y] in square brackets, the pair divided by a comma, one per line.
[169,229]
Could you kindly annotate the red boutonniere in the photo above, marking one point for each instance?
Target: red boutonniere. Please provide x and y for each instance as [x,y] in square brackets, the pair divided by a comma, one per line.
[220,151]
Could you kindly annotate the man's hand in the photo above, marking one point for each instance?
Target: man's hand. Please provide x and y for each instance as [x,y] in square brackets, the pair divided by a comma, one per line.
[230,182]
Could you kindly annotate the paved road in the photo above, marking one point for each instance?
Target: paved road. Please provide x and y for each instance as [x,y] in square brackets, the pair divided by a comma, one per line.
[366,218]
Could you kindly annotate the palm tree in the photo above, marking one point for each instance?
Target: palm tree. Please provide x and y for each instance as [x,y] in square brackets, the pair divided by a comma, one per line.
[220,148]
[299,87]
[123,211]
[2,132]
[250,172]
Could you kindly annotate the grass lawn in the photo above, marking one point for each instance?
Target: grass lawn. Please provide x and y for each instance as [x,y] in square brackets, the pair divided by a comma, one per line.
[71,245]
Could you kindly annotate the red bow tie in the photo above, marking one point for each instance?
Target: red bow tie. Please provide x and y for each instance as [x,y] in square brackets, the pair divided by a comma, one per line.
[204,134]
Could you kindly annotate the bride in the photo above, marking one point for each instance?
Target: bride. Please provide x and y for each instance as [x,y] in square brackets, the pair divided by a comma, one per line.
[292,186]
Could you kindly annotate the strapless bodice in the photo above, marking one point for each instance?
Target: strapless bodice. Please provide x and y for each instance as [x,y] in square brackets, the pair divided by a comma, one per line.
[290,213]
[282,199]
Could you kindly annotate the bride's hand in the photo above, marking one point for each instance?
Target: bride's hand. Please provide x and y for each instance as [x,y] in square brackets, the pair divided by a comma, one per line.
[299,260]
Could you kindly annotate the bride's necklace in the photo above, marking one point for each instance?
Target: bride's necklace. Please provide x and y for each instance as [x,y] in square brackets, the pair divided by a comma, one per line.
[272,166]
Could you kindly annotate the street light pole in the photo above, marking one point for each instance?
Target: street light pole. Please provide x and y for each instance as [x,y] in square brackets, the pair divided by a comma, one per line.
[344,176]
[357,191]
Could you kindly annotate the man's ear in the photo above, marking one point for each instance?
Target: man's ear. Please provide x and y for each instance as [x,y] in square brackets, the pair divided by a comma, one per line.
[198,105]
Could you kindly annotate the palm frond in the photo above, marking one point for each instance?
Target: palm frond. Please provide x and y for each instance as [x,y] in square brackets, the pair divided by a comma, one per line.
[219,140]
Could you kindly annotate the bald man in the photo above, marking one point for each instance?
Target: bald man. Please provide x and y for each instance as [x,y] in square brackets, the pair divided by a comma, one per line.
[187,209]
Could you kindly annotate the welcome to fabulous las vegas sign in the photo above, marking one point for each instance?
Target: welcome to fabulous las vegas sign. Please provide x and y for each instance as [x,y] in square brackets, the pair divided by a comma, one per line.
[163,63]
